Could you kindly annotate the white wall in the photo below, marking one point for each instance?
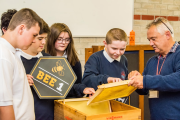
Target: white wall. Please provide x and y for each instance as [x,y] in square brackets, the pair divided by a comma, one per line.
[85,18]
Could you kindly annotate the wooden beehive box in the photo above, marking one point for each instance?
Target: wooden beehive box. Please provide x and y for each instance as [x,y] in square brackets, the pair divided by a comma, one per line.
[100,106]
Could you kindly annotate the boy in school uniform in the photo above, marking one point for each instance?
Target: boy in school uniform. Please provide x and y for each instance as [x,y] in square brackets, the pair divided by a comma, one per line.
[44,108]
[108,65]
[16,100]
[5,19]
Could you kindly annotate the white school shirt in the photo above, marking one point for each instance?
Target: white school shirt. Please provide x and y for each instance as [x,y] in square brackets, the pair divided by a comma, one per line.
[14,86]
[20,53]
[109,58]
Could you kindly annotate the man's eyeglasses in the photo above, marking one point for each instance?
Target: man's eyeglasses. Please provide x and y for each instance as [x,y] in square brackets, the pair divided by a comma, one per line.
[164,24]
[60,40]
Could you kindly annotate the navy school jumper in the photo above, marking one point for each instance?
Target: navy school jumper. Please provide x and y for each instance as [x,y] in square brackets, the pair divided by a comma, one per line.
[98,69]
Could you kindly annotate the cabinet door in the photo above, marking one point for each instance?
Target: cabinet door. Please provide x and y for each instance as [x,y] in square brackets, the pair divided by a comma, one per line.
[133,64]
[147,55]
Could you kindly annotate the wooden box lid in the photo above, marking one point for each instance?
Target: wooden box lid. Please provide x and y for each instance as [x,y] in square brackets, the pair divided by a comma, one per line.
[111,91]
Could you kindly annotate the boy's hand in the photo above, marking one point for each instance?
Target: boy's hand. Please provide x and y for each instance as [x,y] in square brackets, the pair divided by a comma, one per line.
[89,91]
[132,74]
[112,79]
[30,79]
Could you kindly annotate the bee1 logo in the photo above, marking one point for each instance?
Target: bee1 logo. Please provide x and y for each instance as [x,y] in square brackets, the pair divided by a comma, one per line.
[53,77]
[59,68]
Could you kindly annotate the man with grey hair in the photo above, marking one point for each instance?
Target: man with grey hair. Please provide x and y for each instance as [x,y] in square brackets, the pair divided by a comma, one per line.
[161,76]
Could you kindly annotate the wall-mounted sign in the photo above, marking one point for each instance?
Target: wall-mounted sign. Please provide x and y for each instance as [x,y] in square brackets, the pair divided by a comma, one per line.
[53,77]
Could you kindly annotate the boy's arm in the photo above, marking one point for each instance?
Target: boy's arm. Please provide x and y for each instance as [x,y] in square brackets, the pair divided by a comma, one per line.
[92,76]
[77,90]
[7,113]
[6,90]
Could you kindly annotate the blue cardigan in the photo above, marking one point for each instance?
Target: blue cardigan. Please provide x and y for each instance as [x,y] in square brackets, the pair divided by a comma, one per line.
[98,69]
[167,106]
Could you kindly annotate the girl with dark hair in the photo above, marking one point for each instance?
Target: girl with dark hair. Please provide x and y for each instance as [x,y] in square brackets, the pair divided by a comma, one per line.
[60,43]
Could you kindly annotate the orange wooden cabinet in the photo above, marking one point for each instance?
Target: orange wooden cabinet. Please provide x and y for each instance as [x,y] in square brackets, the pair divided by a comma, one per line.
[119,111]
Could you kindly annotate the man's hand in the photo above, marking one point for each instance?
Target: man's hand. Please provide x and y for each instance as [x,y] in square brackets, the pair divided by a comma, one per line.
[136,81]
[133,73]
[112,79]
[30,79]
[89,91]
